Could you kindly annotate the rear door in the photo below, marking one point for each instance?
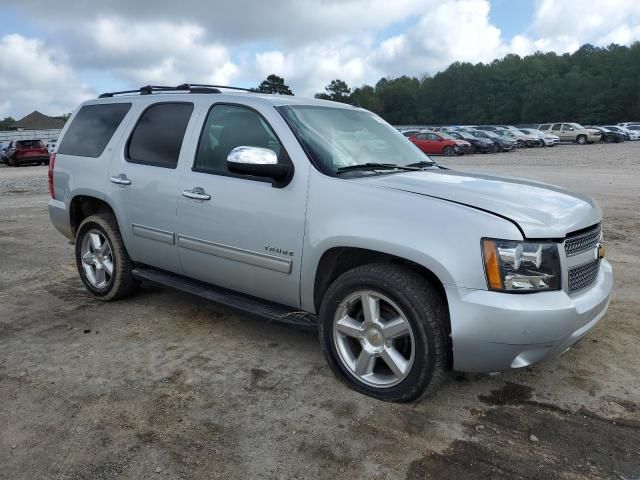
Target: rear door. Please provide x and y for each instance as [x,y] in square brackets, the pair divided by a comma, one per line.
[143,183]
[556,129]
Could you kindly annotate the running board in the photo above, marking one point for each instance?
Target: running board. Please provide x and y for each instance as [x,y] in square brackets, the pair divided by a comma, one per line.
[238,301]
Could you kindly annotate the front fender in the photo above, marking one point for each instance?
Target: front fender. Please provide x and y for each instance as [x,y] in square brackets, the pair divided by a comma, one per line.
[442,236]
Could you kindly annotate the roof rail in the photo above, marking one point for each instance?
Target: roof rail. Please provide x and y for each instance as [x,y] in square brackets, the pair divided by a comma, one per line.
[185,87]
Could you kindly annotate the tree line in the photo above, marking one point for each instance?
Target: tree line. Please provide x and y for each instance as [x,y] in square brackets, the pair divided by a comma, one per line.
[594,85]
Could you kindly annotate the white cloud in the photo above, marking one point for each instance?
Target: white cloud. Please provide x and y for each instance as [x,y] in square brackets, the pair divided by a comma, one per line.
[156,52]
[286,22]
[564,26]
[308,42]
[449,31]
[33,76]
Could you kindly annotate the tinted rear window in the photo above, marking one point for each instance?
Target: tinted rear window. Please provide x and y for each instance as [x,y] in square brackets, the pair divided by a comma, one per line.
[29,144]
[157,138]
[92,128]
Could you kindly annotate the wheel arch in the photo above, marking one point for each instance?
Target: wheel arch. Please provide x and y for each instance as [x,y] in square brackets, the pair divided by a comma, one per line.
[338,260]
[81,206]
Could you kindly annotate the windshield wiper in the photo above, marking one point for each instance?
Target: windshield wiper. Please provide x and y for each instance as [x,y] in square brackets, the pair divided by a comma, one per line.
[423,163]
[376,166]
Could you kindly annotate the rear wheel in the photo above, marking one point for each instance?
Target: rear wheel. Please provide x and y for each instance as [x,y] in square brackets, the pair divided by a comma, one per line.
[382,330]
[101,258]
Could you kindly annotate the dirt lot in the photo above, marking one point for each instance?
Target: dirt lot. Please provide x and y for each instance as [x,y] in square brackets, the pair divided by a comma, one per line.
[165,385]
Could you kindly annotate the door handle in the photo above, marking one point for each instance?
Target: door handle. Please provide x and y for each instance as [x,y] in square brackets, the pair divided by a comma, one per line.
[120,180]
[196,194]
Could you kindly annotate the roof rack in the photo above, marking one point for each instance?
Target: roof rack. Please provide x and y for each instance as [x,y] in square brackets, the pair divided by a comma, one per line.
[185,87]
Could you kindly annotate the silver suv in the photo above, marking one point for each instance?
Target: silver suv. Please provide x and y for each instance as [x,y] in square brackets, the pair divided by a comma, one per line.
[320,213]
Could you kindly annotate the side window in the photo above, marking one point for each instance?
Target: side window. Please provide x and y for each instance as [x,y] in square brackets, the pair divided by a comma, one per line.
[157,137]
[228,127]
[567,127]
[544,127]
[556,127]
[421,136]
[92,128]
[434,137]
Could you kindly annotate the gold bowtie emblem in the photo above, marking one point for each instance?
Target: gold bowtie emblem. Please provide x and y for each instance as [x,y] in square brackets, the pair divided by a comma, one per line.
[601,250]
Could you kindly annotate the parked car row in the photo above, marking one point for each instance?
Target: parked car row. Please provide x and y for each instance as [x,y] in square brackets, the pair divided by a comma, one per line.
[460,140]
[21,152]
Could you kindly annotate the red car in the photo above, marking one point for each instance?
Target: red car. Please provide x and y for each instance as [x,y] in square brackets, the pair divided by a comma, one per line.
[27,151]
[440,143]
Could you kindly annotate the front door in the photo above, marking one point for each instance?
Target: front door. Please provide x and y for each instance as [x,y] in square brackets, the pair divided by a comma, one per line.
[238,231]
[144,179]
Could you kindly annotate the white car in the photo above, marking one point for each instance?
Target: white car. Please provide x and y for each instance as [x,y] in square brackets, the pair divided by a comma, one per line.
[626,124]
[632,134]
[549,139]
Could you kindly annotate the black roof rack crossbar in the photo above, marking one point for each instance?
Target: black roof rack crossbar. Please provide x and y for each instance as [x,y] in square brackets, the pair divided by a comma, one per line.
[185,87]
[149,89]
[224,86]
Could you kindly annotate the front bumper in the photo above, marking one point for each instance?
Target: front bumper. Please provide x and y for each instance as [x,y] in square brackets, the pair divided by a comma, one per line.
[493,331]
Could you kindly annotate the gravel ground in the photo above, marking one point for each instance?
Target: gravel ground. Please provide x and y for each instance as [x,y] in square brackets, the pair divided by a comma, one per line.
[166,385]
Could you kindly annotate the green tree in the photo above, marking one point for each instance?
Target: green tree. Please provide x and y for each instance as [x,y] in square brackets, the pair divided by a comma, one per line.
[274,84]
[6,122]
[337,91]
[594,85]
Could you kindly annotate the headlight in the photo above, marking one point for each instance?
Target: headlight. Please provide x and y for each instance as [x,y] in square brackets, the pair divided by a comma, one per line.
[512,266]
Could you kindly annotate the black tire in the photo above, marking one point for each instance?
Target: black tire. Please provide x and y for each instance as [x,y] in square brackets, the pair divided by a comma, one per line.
[448,151]
[425,311]
[121,283]
[581,139]
[609,139]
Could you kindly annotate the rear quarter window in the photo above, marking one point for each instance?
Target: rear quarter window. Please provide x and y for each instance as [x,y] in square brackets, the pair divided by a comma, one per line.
[92,128]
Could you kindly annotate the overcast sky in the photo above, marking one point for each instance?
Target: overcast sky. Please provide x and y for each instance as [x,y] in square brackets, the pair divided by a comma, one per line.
[53,55]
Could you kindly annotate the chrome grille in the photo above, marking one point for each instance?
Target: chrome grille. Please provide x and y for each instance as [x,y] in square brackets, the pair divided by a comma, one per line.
[583,276]
[582,242]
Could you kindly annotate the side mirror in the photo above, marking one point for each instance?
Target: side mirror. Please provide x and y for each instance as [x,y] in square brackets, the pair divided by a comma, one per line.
[259,162]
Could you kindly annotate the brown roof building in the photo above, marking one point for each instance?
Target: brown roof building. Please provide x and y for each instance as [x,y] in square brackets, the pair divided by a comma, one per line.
[37,121]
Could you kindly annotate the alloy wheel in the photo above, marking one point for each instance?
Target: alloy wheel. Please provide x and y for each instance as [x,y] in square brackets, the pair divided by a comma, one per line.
[97,258]
[374,339]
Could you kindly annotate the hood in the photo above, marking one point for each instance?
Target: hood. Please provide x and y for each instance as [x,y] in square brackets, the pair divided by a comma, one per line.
[539,209]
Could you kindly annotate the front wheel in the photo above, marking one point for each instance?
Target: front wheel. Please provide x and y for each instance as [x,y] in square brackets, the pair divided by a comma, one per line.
[582,139]
[382,330]
[102,260]
[448,151]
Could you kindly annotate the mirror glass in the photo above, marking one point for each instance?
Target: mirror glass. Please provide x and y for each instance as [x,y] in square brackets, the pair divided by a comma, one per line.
[252,156]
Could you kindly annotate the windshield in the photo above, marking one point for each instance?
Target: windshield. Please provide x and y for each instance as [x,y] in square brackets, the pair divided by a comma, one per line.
[342,137]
